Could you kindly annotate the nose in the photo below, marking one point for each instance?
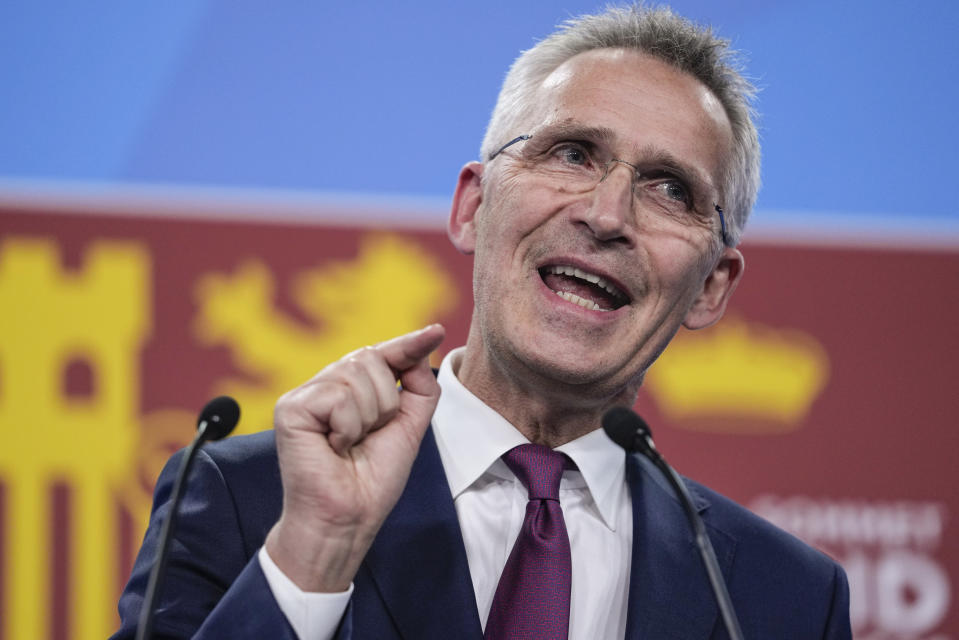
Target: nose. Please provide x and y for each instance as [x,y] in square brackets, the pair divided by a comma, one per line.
[610,212]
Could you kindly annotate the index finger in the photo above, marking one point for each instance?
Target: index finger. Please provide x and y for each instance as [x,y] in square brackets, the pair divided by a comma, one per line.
[406,351]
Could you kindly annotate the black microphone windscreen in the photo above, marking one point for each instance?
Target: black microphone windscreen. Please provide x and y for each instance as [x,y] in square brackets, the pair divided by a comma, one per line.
[220,414]
[622,424]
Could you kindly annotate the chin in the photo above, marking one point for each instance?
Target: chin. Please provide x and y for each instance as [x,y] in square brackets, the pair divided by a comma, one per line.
[588,371]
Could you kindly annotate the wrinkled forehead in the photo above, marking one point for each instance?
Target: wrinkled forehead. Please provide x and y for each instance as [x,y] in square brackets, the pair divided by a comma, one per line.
[644,102]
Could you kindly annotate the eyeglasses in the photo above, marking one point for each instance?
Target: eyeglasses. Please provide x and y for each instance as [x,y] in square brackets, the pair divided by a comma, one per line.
[579,167]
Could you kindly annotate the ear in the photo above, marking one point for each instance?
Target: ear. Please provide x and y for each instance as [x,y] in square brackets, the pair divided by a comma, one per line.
[717,289]
[461,227]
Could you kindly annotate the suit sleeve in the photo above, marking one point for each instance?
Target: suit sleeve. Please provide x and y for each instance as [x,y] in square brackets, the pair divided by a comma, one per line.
[214,585]
[837,624]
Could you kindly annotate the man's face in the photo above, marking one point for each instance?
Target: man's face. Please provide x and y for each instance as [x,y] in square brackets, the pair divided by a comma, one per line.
[538,244]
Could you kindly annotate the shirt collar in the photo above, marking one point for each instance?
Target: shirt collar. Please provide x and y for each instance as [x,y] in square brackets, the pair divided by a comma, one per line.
[471,436]
[603,465]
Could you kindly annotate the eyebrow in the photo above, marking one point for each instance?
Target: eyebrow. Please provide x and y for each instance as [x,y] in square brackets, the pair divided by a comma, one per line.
[575,131]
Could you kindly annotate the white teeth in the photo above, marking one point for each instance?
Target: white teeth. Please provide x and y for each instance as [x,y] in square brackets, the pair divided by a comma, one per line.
[583,302]
[588,277]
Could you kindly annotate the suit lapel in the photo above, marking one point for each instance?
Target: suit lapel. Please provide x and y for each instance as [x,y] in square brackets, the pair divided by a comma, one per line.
[669,593]
[418,561]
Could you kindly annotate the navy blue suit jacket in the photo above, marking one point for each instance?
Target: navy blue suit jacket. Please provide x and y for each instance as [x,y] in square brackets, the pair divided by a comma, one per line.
[415,582]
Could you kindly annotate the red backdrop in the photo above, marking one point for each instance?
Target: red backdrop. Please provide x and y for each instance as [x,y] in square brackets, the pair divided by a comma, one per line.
[822,401]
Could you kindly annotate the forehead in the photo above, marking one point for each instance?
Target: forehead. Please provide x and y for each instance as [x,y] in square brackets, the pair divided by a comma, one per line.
[646,103]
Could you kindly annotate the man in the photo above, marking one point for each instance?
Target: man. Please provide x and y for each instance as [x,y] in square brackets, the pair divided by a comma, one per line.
[618,170]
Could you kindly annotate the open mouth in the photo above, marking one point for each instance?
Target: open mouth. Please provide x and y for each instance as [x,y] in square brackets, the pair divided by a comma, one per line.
[580,287]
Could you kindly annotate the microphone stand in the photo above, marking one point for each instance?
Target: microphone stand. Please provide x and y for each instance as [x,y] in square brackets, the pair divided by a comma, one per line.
[216,420]
[631,432]
[703,544]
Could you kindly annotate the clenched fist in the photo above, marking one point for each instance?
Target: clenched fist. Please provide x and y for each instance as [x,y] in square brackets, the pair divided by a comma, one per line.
[346,441]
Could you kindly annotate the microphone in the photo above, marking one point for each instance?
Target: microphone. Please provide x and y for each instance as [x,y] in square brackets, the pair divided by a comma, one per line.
[216,421]
[218,418]
[628,430]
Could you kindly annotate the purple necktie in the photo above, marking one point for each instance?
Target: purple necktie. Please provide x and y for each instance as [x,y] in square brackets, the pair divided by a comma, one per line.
[532,597]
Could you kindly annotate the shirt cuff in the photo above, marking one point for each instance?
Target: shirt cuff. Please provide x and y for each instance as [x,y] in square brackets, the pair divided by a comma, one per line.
[313,616]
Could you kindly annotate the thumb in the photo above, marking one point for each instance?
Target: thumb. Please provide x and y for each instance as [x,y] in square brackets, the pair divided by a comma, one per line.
[403,352]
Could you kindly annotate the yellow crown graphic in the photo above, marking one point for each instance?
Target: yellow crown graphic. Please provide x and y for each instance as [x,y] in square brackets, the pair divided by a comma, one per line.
[745,376]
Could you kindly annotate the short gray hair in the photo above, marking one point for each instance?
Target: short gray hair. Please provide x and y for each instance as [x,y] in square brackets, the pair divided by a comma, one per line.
[660,33]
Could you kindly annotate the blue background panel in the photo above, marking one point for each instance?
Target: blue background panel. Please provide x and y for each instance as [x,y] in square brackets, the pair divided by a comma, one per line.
[377,98]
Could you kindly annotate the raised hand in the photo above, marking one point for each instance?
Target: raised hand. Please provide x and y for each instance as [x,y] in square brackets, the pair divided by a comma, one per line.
[346,441]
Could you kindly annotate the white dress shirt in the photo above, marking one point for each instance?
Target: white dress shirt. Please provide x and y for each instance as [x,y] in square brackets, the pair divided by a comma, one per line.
[490,504]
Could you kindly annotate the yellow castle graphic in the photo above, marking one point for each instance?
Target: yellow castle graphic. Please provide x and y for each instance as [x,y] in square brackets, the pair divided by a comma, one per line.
[96,318]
